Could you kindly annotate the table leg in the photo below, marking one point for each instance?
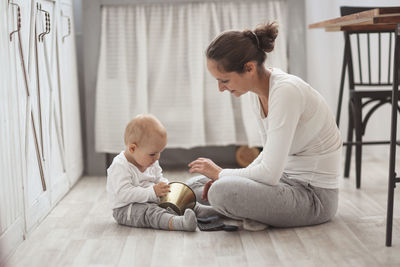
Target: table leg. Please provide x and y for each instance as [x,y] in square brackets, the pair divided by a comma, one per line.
[393,138]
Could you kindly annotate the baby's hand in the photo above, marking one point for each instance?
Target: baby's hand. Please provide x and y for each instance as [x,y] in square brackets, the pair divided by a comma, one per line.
[161,189]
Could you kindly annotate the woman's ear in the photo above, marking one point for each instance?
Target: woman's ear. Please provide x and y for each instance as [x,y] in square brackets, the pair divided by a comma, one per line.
[249,66]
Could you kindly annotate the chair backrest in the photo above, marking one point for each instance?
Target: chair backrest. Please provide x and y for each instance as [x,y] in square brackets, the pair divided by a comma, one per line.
[370,54]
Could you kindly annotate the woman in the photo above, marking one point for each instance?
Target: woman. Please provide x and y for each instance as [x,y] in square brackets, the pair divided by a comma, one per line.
[294,181]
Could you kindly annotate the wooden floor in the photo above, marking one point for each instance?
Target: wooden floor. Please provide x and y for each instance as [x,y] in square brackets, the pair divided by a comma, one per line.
[80,231]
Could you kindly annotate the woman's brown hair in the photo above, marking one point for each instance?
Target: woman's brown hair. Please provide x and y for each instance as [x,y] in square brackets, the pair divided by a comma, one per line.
[233,49]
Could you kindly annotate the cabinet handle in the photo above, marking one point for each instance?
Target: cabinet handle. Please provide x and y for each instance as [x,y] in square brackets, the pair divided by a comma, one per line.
[47,17]
[69,25]
[19,19]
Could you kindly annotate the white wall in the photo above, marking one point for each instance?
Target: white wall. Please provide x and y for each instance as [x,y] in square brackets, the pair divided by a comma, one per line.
[324,63]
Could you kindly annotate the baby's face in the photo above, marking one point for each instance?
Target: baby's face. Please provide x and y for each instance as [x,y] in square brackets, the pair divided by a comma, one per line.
[149,152]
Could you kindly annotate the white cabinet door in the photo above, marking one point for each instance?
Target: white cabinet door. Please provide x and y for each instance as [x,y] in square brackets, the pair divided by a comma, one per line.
[50,109]
[45,181]
[68,84]
[37,197]
[12,113]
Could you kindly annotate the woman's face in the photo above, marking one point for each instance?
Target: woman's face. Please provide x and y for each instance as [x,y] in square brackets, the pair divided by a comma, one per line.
[237,84]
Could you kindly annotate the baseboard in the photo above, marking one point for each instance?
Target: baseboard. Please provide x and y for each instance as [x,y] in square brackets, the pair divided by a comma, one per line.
[11,239]
[37,211]
[75,172]
[224,156]
[59,189]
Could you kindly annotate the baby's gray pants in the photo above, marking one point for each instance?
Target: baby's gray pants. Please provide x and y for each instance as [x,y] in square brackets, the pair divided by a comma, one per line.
[289,203]
[144,215]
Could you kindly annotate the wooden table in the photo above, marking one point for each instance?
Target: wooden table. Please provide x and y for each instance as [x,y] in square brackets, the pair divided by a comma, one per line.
[378,19]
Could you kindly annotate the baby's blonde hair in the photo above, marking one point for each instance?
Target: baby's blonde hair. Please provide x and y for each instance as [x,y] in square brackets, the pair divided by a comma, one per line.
[142,127]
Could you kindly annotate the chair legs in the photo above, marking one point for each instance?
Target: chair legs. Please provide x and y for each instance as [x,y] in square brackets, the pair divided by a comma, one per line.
[349,147]
[357,113]
[355,125]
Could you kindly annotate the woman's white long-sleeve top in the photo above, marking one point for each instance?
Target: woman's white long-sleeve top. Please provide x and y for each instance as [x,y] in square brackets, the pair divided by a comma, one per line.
[299,134]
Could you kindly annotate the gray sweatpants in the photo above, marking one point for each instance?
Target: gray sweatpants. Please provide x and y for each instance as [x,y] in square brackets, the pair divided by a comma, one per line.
[143,215]
[289,203]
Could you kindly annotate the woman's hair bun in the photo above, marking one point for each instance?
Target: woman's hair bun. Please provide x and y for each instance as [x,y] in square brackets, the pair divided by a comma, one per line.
[267,34]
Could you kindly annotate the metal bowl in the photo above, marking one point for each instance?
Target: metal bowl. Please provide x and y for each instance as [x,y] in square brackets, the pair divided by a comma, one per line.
[179,199]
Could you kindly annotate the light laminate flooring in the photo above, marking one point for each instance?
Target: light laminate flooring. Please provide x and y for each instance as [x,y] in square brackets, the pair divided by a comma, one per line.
[80,231]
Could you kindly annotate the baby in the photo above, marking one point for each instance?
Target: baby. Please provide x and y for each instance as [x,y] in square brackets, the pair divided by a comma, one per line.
[135,181]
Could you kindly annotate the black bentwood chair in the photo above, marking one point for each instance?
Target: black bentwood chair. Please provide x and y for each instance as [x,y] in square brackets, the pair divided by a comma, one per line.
[371,73]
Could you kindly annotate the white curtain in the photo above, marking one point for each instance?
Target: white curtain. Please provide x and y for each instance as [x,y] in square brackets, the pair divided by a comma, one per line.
[152,61]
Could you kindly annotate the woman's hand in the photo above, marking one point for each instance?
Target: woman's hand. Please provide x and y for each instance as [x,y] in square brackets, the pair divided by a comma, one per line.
[206,167]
